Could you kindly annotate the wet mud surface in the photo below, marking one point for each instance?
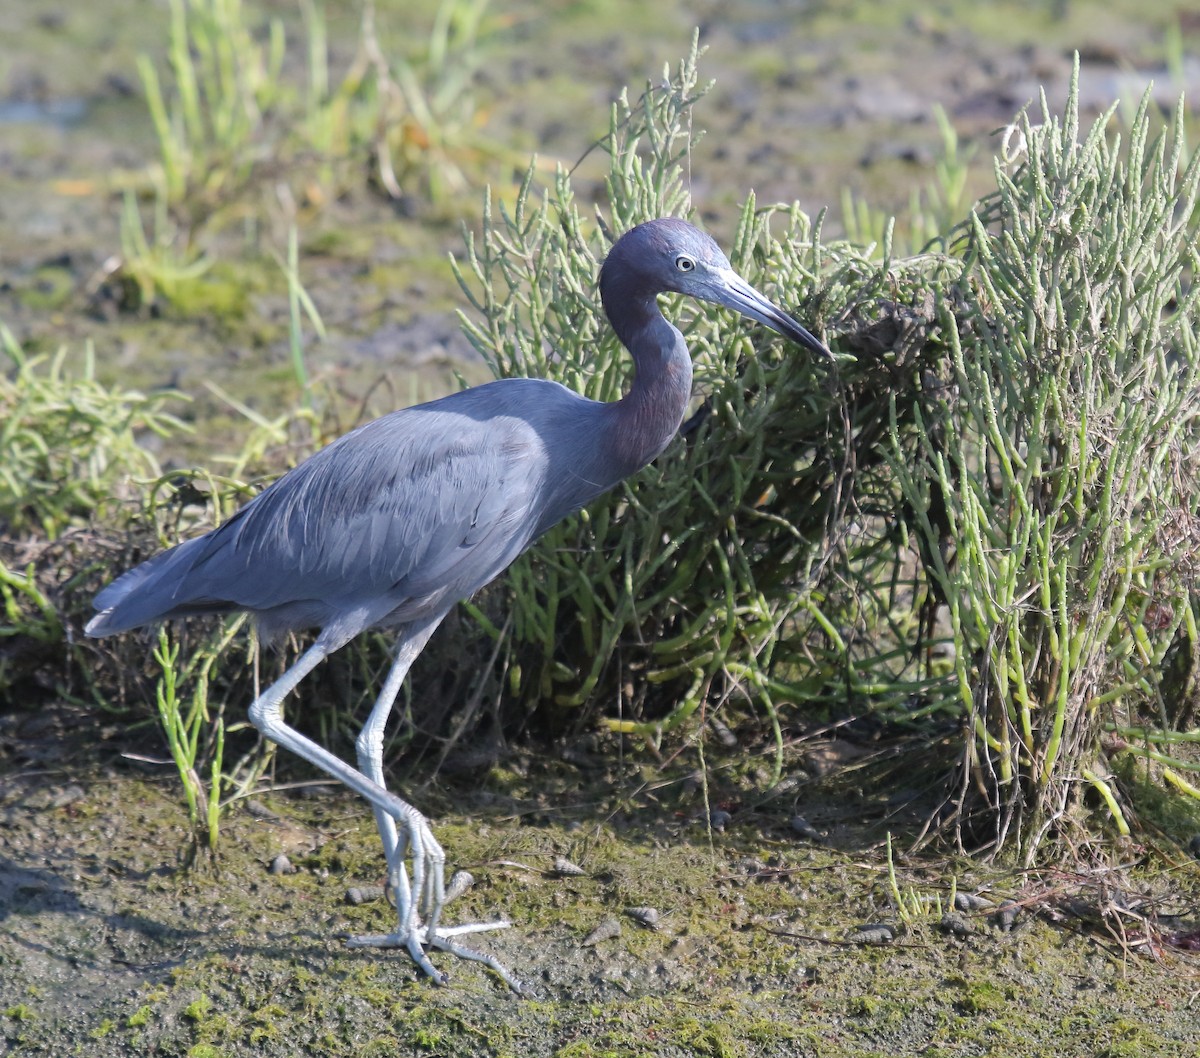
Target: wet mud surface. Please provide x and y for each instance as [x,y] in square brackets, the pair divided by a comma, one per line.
[635,928]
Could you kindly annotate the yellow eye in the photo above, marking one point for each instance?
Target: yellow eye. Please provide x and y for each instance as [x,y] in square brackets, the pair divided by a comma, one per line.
[684,263]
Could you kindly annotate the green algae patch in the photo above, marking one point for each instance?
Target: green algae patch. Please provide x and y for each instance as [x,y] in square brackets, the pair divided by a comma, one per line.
[50,287]
[219,293]
[103,1029]
[140,1017]
[747,957]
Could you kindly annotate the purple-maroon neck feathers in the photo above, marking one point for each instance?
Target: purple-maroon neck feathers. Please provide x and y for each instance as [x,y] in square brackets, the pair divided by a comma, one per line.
[646,419]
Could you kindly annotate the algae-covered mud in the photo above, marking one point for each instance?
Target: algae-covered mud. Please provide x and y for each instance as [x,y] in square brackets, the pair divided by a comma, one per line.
[770,936]
[656,909]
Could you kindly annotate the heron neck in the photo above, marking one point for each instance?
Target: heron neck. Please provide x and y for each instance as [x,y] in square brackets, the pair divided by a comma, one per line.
[648,416]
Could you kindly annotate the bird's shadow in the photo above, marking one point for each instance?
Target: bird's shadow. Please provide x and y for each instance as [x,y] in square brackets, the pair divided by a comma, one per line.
[51,917]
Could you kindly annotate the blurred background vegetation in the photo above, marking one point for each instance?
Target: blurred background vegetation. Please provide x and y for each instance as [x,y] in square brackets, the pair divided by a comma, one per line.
[972,544]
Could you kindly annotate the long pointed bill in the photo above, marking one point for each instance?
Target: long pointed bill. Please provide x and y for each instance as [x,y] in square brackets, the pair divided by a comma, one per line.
[732,291]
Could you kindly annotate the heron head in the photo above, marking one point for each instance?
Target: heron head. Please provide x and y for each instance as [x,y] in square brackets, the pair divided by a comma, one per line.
[671,255]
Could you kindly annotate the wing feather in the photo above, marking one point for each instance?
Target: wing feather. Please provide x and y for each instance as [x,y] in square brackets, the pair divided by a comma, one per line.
[393,508]
[402,516]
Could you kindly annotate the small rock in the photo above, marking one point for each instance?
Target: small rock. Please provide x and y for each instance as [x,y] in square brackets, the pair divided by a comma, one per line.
[281,865]
[955,925]
[970,902]
[1006,915]
[719,819]
[260,810]
[726,737]
[67,795]
[803,828]
[364,894]
[460,882]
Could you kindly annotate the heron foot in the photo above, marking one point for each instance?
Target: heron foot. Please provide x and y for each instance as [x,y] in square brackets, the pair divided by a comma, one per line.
[417,939]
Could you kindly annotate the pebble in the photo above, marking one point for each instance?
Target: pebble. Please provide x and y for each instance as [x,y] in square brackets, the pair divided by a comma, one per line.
[1006,915]
[460,882]
[260,811]
[726,737]
[955,925]
[803,828]
[67,795]
[719,819]
[281,865]
[364,894]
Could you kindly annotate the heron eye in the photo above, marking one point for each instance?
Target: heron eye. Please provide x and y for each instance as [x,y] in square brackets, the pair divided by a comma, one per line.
[684,263]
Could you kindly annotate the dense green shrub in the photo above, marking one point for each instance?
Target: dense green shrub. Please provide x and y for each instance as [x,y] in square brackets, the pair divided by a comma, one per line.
[69,445]
[1013,440]
[1054,486]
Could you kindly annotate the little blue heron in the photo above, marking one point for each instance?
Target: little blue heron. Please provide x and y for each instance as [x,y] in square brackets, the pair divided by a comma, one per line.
[396,521]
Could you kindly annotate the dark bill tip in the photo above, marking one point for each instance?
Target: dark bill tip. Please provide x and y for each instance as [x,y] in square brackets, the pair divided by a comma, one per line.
[735,293]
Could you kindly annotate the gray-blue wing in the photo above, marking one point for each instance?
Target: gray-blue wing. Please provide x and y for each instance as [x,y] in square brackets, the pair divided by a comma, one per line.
[404,515]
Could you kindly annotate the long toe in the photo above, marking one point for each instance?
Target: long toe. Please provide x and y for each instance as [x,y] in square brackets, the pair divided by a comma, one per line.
[443,942]
[411,940]
[417,939]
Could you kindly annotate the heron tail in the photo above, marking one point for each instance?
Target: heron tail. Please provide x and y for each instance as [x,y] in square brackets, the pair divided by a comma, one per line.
[149,593]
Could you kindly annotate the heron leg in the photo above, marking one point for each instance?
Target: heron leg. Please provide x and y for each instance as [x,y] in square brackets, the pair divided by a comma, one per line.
[369,747]
[266,714]
[427,893]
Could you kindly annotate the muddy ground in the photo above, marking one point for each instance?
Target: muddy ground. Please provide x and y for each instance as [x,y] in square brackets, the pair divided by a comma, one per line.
[768,941]
[109,946]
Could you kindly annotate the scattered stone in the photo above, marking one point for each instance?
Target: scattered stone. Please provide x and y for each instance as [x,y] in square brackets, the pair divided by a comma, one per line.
[67,795]
[971,902]
[801,827]
[260,811]
[364,894]
[726,737]
[460,882]
[1006,915]
[719,819]
[955,925]
[281,865]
